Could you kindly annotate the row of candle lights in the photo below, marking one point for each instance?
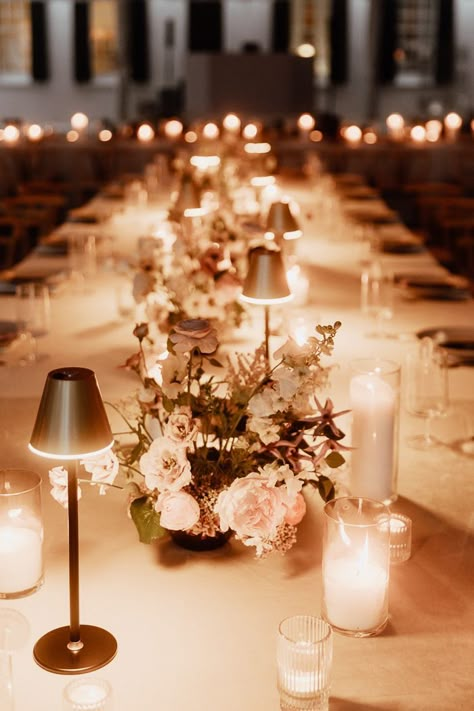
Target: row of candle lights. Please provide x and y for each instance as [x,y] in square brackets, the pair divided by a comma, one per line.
[397,129]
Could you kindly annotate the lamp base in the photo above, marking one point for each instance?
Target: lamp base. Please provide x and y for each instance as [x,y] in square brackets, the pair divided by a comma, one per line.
[51,651]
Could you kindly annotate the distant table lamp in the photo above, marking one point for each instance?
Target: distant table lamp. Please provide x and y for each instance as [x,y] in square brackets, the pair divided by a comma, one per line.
[266,284]
[188,201]
[281,222]
[71,424]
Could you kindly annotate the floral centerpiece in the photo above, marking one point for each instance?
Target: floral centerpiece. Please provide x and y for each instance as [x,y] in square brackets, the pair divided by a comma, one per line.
[198,278]
[228,447]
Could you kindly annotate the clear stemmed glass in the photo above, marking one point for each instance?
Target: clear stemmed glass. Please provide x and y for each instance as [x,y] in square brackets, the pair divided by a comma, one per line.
[426,388]
[33,311]
[376,297]
[14,632]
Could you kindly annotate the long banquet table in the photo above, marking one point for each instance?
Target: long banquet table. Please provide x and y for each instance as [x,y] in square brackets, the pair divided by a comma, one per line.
[198,631]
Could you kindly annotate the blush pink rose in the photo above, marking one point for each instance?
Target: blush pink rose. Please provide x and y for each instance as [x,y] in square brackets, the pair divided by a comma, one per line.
[296,511]
[252,508]
[165,466]
[179,510]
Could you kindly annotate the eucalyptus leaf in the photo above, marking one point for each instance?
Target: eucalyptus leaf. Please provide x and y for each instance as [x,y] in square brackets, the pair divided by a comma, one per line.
[146,520]
[334,460]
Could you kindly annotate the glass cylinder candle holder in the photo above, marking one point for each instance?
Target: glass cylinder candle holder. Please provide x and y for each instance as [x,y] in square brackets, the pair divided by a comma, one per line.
[304,661]
[21,533]
[88,694]
[356,565]
[375,405]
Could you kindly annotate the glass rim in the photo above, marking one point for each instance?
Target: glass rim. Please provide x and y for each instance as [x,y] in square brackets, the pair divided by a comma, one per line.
[323,638]
[25,490]
[382,366]
[383,509]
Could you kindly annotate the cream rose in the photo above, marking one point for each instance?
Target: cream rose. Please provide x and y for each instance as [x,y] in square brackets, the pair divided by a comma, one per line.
[179,510]
[180,426]
[253,509]
[165,466]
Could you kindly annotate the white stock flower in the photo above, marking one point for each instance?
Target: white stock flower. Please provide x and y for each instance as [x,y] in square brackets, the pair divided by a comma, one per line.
[265,428]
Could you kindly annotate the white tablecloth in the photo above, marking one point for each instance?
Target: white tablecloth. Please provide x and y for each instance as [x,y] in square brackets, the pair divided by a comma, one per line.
[198,631]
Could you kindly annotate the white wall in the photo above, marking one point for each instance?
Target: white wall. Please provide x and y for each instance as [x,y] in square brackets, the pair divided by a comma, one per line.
[244,20]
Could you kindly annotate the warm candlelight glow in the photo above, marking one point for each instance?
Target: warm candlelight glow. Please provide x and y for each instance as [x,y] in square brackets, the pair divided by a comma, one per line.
[35,132]
[190,137]
[173,129]
[145,133]
[79,121]
[205,162]
[210,131]
[11,133]
[72,136]
[305,50]
[231,123]
[352,134]
[433,128]
[261,181]
[395,122]
[418,134]
[257,148]
[250,131]
[453,121]
[306,122]
[105,135]
[316,136]
[370,137]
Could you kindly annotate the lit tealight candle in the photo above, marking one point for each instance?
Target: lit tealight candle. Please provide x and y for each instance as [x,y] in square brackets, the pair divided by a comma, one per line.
[418,134]
[433,128]
[145,133]
[400,538]
[231,123]
[352,134]
[11,133]
[306,123]
[79,121]
[72,136]
[370,137]
[250,131]
[452,125]
[395,126]
[210,131]
[105,135]
[173,129]
[35,132]
[316,136]
[190,137]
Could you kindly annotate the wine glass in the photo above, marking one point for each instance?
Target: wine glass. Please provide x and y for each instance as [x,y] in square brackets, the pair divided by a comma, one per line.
[426,388]
[33,312]
[14,632]
[376,297]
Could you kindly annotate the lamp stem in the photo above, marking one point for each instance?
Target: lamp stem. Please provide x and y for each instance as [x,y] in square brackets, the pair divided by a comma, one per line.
[267,334]
[73,524]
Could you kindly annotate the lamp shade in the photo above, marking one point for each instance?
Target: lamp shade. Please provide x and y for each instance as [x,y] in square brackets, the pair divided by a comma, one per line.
[71,422]
[281,220]
[189,198]
[266,281]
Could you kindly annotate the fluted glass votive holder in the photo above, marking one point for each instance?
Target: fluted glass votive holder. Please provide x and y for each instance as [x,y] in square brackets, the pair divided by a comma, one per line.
[304,661]
[88,694]
[21,533]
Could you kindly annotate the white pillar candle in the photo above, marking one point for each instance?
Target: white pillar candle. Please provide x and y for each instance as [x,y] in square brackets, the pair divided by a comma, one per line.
[355,592]
[373,404]
[21,560]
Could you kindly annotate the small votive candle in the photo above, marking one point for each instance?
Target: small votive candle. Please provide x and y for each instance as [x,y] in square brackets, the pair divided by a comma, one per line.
[400,538]
[88,694]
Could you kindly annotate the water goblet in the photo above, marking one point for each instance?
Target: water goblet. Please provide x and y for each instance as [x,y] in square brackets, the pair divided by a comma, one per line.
[33,312]
[376,297]
[426,388]
[14,632]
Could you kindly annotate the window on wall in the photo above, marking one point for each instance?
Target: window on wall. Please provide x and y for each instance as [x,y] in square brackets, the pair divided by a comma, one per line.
[416,33]
[103,36]
[15,39]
